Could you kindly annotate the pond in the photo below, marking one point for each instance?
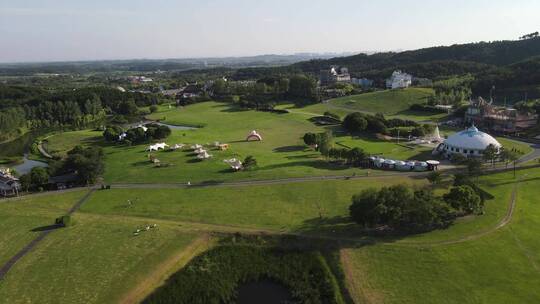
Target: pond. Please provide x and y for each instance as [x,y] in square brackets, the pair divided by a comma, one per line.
[19,148]
[263,292]
[27,165]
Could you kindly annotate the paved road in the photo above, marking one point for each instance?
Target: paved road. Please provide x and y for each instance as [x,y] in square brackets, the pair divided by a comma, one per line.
[9,264]
[535,154]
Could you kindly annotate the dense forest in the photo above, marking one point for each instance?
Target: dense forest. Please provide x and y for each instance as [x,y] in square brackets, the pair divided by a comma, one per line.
[35,108]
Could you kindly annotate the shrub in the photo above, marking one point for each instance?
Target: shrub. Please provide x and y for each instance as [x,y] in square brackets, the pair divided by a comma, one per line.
[153,109]
[64,221]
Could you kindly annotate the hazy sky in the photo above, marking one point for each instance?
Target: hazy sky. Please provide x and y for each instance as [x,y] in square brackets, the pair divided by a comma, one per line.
[49,30]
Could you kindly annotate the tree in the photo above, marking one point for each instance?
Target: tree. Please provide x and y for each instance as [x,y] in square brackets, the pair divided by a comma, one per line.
[249,163]
[355,122]
[325,142]
[153,109]
[434,178]
[490,153]
[26,181]
[39,176]
[363,209]
[87,162]
[356,156]
[510,156]
[112,133]
[310,139]
[474,166]
[464,199]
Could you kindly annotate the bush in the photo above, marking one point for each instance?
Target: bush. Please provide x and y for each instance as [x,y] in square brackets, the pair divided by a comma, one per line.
[153,109]
[64,221]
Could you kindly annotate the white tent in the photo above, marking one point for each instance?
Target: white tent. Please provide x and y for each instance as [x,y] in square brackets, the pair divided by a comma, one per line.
[234,163]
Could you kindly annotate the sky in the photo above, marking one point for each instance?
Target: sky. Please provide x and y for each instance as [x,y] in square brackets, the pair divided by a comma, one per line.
[66,30]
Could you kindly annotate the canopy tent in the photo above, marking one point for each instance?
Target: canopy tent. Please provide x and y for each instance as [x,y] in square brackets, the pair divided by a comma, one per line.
[157,147]
[254,136]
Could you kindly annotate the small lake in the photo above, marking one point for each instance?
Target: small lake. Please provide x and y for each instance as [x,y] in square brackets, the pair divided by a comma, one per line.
[18,148]
[263,292]
[27,165]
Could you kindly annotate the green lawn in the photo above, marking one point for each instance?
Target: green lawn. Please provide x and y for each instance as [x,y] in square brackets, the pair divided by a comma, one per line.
[60,143]
[501,267]
[19,217]
[281,154]
[386,149]
[392,103]
[95,261]
[290,207]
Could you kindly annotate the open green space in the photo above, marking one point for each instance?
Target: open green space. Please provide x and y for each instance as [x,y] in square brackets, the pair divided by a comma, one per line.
[499,267]
[281,154]
[21,220]
[94,261]
[288,207]
[60,143]
[392,103]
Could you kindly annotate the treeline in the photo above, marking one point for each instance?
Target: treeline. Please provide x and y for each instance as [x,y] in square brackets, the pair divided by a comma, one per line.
[26,107]
[267,91]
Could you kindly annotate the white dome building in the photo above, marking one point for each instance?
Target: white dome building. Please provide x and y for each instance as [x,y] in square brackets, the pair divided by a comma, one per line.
[470,143]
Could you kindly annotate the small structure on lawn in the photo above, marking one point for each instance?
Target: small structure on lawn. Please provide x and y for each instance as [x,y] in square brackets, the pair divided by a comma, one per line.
[234,163]
[157,147]
[254,136]
[196,146]
[177,146]
[223,147]
[204,155]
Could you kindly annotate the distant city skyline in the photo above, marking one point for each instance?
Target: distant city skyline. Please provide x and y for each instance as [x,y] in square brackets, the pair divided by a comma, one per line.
[64,30]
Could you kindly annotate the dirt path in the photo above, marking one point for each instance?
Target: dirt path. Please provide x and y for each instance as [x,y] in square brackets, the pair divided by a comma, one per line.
[165,269]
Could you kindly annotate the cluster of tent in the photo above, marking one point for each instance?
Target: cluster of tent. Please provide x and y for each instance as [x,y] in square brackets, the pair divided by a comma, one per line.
[399,165]
[201,152]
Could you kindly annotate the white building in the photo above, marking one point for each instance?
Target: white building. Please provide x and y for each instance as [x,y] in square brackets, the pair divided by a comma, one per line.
[469,143]
[399,80]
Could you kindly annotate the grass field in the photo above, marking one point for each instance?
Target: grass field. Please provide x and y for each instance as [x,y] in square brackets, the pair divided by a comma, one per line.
[60,143]
[95,261]
[392,103]
[19,218]
[288,207]
[501,267]
[281,154]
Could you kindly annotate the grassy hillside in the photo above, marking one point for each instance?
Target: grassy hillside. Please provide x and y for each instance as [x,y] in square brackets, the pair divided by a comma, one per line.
[389,102]
[499,267]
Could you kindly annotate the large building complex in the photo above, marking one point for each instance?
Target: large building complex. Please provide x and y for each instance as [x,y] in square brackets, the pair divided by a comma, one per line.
[497,118]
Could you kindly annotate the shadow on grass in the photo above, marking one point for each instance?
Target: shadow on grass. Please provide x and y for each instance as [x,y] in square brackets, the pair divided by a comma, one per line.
[46,228]
[295,148]
[317,164]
